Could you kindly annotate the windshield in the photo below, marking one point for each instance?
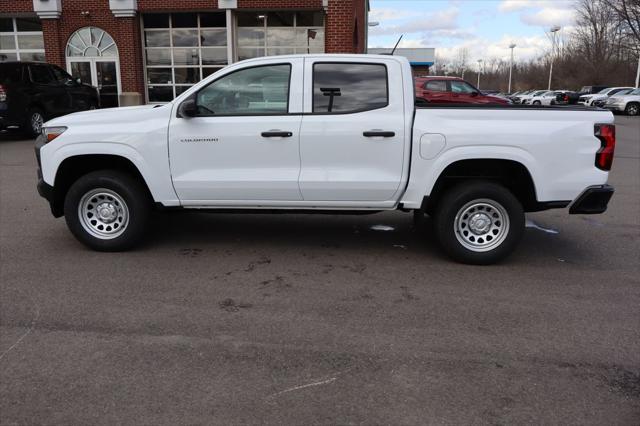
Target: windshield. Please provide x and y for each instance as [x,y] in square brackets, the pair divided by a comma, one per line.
[635,92]
[603,91]
[539,92]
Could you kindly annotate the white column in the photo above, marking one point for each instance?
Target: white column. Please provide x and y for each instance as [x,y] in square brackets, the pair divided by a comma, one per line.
[231,42]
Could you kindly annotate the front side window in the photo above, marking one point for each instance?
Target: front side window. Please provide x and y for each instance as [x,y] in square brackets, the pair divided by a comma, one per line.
[436,86]
[252,91]
[462,87]
[347,87]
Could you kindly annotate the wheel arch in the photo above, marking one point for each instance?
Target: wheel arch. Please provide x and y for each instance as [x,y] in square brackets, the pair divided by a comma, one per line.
[76,166]
[512,174]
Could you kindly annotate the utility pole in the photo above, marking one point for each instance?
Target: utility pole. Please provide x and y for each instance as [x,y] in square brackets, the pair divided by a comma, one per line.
[553,31]
[511,46]
[479,71]
[638,72]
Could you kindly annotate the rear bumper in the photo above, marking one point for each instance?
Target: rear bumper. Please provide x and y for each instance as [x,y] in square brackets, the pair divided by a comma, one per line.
[593,200]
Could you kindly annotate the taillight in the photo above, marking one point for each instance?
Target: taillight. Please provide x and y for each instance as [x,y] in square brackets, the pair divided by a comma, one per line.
[566,98]
[3,93]
[607,135]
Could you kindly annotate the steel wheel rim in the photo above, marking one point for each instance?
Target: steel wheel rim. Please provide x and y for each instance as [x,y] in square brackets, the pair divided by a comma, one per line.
[103,213]
[36,122]
[481,225]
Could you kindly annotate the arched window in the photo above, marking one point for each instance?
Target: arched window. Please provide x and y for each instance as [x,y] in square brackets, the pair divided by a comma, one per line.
[91,42]
[92,57]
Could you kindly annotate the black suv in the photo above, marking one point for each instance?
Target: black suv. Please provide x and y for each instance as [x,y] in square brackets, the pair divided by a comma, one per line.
[34,92]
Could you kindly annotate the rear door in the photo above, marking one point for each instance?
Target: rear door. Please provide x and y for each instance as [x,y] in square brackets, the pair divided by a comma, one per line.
[48,92]
[352,134]
[436,91]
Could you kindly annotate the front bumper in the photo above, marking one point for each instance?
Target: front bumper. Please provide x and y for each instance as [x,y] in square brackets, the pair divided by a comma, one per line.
[593,200]
[44,189]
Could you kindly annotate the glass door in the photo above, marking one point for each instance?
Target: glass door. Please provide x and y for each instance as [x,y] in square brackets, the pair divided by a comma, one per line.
[107,81]
[100,73]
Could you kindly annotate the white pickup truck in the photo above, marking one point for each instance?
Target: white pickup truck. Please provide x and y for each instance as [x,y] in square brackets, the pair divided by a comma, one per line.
[333,133]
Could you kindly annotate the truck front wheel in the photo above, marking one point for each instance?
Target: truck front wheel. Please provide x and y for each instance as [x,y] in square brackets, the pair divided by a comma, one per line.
[479,222]
[107,210]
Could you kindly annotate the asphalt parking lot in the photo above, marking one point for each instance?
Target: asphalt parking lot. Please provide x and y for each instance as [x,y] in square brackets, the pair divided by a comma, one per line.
[313,319]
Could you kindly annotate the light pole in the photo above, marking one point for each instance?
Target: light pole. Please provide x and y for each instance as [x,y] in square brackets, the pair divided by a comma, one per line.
[638,72]
[553,31]
[479,71]
[511,46]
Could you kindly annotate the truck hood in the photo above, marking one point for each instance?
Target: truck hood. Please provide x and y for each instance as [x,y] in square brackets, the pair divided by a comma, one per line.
[106,117]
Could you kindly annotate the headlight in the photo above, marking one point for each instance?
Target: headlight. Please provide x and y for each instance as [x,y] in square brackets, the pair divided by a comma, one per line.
[50,133]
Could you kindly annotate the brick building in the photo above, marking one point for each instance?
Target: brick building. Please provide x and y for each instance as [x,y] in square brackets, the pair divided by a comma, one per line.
[140,51]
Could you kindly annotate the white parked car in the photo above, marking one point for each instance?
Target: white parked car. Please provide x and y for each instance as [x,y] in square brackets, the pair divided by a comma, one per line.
[332,133]
[628,103]
[547,98]
[589,100]
[526,99]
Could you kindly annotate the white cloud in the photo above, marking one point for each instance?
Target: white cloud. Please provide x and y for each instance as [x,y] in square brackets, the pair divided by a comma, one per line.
[519,5]
[479,48]
[442,20]
[549,16]
[381,14]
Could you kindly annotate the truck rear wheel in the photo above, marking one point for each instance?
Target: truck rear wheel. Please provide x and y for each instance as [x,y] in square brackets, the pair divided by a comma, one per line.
[479,222]
[107,210]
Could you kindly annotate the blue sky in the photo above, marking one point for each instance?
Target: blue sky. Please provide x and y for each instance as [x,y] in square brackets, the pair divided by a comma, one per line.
[484,27]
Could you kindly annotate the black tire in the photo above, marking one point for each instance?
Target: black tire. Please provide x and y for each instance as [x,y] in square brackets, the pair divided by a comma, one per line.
[29,127]
[127,229]
[484,194]
[633,108]
[537,103]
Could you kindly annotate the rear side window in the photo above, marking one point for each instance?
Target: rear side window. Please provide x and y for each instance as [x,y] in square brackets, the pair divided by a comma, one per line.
[436,86]
[341,88]
[40,74]
[10,73]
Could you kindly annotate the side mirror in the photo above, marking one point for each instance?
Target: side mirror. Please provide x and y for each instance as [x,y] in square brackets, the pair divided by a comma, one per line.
[474,94]
[188,108]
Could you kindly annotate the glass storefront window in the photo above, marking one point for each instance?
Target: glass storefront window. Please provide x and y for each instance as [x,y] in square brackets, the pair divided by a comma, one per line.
[181,49]
[21,40]
[279,33]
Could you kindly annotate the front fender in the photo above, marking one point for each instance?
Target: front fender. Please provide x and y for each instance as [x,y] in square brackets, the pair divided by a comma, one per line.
[159,183]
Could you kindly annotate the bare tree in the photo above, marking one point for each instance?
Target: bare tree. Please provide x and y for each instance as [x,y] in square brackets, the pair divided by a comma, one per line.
[628,14]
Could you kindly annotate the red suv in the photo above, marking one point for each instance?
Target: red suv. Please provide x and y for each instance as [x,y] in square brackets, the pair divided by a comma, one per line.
[445,90]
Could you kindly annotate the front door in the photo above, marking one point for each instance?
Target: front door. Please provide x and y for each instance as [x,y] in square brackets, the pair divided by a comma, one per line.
[100,73]
[243,143]
[352,135]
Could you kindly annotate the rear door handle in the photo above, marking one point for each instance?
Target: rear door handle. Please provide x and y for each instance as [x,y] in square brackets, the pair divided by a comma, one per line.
[276,134]
[378,133]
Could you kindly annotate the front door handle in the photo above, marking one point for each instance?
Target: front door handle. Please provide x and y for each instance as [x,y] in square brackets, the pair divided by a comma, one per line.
[378,133]
[276,134]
